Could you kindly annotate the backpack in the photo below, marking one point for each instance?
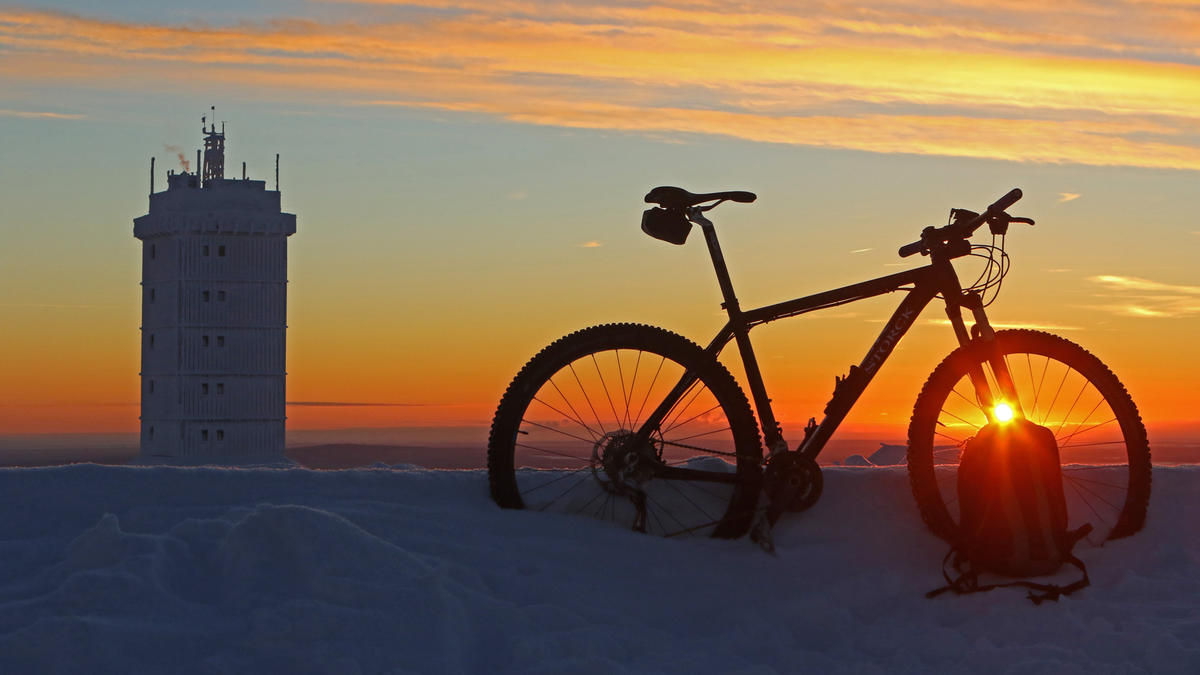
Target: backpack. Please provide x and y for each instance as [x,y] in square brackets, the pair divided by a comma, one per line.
[1013,512]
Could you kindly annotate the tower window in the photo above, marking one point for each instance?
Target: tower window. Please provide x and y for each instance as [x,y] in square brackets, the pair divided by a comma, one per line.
[220,434]
[151,431]
[204,340]
[204,434]
[153,250]
[220,340]
[206,250]
[152,295]
[152,341]
[221,296]
[205,295]
[151,390]
[220,387]
[221,251]
[204,388]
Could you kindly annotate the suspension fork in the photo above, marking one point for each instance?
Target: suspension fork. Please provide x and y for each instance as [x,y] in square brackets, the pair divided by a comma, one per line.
[982,331]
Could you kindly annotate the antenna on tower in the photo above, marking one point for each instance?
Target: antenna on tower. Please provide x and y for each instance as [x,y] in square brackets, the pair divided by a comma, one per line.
[214,148]
[277,172]
[151,175]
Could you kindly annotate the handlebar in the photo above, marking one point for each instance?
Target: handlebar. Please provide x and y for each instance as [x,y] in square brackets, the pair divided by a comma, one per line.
[960,230]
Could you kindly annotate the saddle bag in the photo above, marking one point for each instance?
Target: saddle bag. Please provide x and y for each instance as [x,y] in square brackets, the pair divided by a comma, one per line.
[1013,512]
[669,225]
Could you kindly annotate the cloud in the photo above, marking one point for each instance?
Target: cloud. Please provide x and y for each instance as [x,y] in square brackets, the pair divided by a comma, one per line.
[1068,197]
[590,244]
[862,250]
[1139,297]
[1139,284]
[349,404]
[37,114]
[1076,82]
[1028,325]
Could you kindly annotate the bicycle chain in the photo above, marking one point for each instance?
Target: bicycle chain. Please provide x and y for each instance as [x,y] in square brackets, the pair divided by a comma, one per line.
[708,451]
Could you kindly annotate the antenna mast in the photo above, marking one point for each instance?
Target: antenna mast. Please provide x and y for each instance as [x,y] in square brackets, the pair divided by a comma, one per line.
[214,148]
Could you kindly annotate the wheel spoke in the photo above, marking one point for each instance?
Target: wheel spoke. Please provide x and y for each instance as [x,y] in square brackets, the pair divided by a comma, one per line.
[638,418]
[552,481]
[616,417]
[667,424]
[573,419]
[562,494]
[667,512]
[1079,431]
[587,398]
[1087,502]
[973,426]
[1092,445]
[683,494]
[1037,391]
[632,384]
[1074,477]
[677,441]
[557,431]
[1029,366]
[1072,408]
[624,395]
[690,419]
[595,434]
[586,460]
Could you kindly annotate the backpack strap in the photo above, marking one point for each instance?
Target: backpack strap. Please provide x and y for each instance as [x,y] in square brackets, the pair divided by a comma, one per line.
[1040,593]
[967,580]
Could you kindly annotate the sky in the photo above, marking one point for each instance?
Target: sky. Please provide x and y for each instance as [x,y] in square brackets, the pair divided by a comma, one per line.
[468,180]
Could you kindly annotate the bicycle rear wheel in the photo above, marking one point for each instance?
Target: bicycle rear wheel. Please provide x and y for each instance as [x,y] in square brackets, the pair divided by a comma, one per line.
[564,438]
[1102,442]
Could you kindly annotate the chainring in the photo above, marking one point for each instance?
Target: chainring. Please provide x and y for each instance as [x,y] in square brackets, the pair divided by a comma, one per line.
[792,482]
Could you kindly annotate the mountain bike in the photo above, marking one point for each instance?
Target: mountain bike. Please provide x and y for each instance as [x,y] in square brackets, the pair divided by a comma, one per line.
[638,425]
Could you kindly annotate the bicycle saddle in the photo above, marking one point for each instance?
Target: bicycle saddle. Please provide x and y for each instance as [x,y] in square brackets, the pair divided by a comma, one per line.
[678,198]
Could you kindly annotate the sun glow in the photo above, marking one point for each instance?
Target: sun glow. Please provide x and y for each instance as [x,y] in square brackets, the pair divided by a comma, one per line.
[1003,413]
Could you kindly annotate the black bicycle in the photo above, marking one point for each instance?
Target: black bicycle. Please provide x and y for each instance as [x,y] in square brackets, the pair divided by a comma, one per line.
[638,425]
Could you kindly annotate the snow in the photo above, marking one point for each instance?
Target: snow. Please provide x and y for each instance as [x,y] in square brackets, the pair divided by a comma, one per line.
[208,570]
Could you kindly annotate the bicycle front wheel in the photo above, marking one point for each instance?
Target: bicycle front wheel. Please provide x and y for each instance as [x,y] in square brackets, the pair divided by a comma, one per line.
[1101,440]
[565,436]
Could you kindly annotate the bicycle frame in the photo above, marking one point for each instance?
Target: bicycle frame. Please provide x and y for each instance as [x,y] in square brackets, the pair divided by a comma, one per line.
[922,285]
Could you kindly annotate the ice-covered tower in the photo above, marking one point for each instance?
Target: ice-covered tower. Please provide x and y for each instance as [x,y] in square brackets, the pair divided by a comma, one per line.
[214,300]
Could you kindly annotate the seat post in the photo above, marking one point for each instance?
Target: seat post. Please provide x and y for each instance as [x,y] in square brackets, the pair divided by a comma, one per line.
[730,301]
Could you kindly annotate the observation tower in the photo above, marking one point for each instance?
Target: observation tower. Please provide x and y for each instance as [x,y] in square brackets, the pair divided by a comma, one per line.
[214,314]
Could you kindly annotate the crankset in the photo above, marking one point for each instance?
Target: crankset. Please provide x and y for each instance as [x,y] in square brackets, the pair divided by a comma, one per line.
[792,482]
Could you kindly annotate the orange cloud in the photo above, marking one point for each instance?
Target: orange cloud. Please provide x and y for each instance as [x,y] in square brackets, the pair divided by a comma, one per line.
[879,77]
[1138,297]
[37,114]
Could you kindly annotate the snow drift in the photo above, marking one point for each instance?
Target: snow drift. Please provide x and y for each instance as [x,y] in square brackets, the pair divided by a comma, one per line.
[204,570]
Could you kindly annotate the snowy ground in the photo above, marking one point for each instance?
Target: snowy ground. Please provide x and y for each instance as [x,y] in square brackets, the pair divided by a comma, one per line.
[121,569]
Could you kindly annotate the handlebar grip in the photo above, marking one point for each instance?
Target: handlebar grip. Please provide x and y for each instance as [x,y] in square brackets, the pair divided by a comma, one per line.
[1006,201]
[912,249]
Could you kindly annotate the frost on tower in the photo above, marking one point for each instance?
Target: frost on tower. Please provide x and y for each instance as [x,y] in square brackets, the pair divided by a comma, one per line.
[214,300]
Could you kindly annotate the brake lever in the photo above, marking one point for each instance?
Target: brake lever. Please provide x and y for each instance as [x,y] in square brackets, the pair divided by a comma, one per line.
[999,223]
